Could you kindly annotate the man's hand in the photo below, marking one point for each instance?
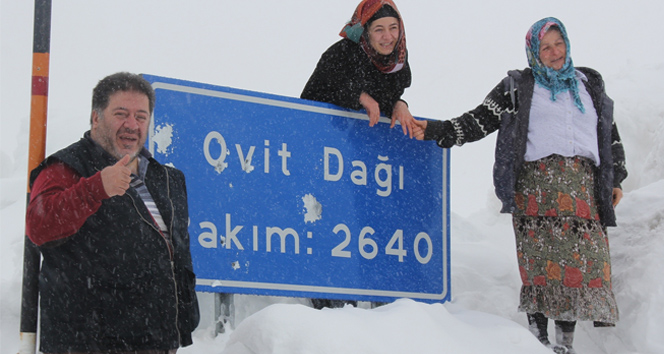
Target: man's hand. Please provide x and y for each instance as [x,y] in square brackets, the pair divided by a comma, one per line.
[116,178]
[402,114]
[372,108]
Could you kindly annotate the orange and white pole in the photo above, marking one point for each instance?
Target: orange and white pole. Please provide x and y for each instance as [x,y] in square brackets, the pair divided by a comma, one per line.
[37,150]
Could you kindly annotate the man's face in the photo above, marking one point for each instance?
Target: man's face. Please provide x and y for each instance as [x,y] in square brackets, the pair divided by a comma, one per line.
[122,127]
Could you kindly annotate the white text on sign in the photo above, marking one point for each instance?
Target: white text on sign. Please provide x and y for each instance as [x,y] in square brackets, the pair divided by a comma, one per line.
[333,164]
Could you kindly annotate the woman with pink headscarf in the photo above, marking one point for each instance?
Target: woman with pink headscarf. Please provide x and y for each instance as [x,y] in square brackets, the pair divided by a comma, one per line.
[368,68]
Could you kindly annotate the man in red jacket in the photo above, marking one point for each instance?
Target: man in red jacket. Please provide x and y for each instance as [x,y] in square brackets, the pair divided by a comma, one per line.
[111,223]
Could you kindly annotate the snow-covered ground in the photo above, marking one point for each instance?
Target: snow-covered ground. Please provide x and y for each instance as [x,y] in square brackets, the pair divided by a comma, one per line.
[458,52]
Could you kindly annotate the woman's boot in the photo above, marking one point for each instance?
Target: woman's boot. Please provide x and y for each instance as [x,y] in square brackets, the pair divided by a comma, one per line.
[564,337]
[538,323]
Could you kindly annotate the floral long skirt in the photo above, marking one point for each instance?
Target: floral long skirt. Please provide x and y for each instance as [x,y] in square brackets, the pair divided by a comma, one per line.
[562,248]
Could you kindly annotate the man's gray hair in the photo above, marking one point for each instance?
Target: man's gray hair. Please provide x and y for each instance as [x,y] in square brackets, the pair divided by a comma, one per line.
[122,81]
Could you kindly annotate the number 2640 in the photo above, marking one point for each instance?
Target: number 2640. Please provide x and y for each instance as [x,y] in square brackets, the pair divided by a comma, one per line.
[369,248]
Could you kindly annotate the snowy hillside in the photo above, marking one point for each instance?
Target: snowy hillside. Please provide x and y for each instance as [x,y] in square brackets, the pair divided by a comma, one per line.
[458,52]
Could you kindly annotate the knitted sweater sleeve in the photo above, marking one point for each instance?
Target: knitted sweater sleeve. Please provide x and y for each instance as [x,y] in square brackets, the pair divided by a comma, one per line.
[60,203]
[618,152]
[475,124]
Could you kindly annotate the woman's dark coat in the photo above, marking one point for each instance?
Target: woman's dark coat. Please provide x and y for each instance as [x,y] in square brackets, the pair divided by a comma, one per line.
[345,71]
[507,109]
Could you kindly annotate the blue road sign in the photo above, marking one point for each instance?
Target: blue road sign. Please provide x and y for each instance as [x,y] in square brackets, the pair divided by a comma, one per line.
[298,198]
